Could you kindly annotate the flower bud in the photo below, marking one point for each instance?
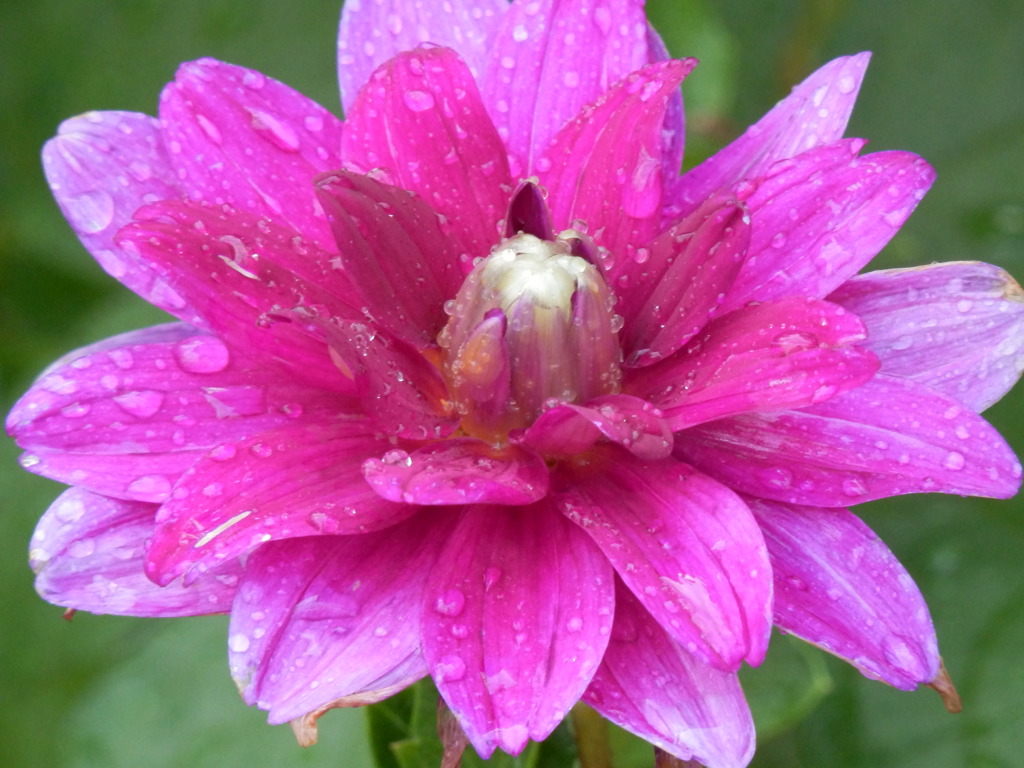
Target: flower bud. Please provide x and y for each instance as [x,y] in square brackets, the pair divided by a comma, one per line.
[532,323]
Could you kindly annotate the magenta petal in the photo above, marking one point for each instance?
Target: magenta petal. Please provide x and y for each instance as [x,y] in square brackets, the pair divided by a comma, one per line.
[168,389]
[550,59]
[815,113]
[766,357]
[246,140]
[102,167]
[420,122]
[820,217]
[391,248]
[839,587]
[649,685]
[686,546]
[605,167]
[569,429]
[373,32]
[319,620]
[302,481]
[520,612]
[459,471]
[670,293]
[400,389]
[888,437]
[956,327]
[87,552]
[243,275]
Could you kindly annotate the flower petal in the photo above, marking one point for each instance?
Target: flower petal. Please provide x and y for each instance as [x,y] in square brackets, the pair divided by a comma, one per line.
[125,417]
[649,685]
[240,138]
[318,620]
[420,122]
[390,246]
[102,167]
[839,587]
[87,552]
[520,612]
[686,546]
[605,167]
[765,357]
[550,59]
[957,327]
[400,389]
[459,471]
[569,429]
[670,288]
[243,275]
[814,114]
[373,32]
[820,217]
[299,481]
[888,437]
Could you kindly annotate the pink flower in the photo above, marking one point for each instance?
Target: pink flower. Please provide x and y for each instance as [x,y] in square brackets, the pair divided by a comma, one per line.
[474,385]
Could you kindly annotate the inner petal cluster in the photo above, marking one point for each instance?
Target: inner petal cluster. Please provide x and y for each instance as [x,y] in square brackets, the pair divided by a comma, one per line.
[532,325]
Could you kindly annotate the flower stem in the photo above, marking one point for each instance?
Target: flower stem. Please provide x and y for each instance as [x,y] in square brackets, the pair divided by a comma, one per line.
[591,738]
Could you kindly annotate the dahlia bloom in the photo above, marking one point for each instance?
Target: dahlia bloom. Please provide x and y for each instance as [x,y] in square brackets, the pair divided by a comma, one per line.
[475,385]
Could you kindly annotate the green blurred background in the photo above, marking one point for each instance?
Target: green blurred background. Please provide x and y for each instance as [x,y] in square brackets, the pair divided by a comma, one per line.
[947,81]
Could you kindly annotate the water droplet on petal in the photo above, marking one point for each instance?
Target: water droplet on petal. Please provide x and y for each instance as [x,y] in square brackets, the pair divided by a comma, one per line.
[953,461]
[238,643]
[450,669]
[418,101]
[202,354]
[150,487]
[91,212]
[451,603]
[141,404]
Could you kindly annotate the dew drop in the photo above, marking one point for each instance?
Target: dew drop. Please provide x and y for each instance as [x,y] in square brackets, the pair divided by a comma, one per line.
[278,133]
[451,603]
[91,212]
[853,487]
[450,669]
[418,101]
[223,453]
[150,487]
[142,404]
[202,354]
[953,461]
[238,643]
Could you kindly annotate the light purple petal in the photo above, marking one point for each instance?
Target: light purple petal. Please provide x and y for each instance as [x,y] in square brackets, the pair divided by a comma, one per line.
[392,249]
[815,113]
[820,217]
[520,610]
[400,389]
[888,437]
[765,357]
[420,124]
[373,32]
[550,59]
[839,587]
[87,552]
[957,327]
[649,685]
[240,138]
[102,167]
[244,276]
[670,288]
[459,471]
[685,545]
[318,620]
[605,167]
[299,481]
[569,429]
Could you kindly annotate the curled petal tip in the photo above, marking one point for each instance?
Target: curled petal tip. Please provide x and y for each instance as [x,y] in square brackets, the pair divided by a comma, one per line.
[304,728]
[453,738]
[943,684]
